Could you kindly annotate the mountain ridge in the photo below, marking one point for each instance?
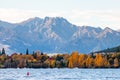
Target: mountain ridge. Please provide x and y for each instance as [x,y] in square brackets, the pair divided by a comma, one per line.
[56,34]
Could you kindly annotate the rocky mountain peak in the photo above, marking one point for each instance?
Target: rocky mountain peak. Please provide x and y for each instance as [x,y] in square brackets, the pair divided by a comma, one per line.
[107,29]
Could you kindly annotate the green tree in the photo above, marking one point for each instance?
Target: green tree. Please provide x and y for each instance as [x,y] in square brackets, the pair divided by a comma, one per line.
[92,55]
[41,53]
[34,55]
[3,51]
[118,49]
[27,52]
[0,52]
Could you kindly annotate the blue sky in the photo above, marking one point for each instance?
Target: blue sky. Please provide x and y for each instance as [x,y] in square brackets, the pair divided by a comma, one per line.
[99,13]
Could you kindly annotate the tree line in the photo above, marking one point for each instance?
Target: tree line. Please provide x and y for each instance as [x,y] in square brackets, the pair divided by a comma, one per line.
[38,59]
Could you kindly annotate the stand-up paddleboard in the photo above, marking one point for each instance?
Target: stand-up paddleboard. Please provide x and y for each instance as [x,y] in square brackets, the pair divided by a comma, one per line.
[28,74]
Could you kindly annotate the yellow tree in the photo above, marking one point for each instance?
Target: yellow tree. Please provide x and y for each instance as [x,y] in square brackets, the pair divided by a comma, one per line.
[116,63]
[81,60]
[89,62]
[73,60]
[52,63]
[3,57]
[98,60]
[70,65]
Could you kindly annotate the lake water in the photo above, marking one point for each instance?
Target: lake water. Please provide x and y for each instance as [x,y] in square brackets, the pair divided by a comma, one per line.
[60,74]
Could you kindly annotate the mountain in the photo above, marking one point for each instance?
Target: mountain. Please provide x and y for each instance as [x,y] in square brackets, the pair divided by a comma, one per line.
[55,34]
[118,30]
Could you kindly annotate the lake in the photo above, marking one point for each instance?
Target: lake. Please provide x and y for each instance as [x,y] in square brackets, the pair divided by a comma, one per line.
[60,74]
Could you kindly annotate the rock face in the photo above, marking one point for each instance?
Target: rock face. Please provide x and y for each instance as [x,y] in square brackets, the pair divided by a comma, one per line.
[55,34]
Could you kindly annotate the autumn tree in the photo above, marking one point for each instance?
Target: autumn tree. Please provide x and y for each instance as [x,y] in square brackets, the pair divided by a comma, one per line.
[98,60]
[52,63]
[105,62]
[73,60]
[89,62]
[75,57]
[70,65]
[22,63]
[116,63]
[81,60]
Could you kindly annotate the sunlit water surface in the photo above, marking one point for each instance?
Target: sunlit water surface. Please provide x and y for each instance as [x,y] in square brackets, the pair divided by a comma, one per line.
[60,74]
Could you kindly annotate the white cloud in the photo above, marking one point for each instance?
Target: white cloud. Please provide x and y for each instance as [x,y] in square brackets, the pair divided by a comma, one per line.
[6,47]
[97,18]
[101,18]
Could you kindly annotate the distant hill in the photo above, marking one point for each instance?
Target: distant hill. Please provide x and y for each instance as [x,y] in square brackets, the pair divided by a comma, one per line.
[55,35]
[114,49]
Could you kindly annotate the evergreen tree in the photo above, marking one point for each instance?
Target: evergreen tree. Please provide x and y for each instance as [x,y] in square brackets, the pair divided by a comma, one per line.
[41,53]
[3,51]
[118,49]
[0,52]
[20,53]
[92,55]
[27,52]
[34,55]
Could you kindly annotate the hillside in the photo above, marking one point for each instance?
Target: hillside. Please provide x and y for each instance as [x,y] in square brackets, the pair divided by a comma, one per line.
[114,49]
